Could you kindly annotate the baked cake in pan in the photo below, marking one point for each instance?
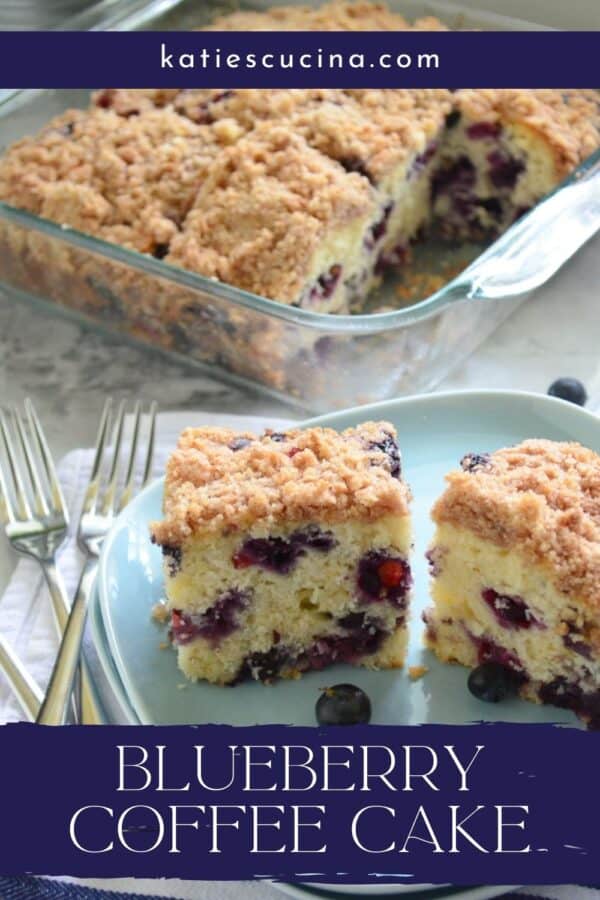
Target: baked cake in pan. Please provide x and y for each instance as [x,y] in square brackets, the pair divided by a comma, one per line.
[389,165]
[286,552]
[515,565]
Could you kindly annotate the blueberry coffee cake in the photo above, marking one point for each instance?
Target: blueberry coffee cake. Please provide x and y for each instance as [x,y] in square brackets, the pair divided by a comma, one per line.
[319,194]
[285,552]
[515,565]
[138,166]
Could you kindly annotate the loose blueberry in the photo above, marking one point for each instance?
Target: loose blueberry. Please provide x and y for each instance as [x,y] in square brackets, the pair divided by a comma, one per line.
[343,704]
[492,682]
[570,389]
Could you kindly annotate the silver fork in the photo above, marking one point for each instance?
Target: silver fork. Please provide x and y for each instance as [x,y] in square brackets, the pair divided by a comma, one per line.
[36,522]
[96,519]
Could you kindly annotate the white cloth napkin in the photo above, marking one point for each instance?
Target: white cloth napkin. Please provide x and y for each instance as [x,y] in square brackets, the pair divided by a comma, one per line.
[26,621]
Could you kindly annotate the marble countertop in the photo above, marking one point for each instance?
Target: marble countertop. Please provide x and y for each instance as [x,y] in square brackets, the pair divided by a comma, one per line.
[68,370]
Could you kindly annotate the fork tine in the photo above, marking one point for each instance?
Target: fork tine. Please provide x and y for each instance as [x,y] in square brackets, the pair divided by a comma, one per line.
[39,500]
[108,504]
[130,476]
[58,500]
[22,503]
[90,500]
[150,448]
[7,513]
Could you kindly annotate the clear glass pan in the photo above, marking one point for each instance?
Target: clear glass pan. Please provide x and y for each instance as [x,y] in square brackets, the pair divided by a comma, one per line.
[319,362]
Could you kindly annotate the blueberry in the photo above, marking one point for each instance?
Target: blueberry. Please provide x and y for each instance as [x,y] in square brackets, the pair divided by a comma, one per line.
[453,118]
[239,444]
[570,389]
[343,704]
[492,682]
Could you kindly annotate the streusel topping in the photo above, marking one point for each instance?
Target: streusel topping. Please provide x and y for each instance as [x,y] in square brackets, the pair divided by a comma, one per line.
[541,499]
[126,179]
[260,216]
[335,16]
[220,480]
[372,131]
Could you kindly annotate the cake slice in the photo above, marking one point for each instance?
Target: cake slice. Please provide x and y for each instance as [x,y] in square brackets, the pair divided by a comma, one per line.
[279,219]
[515,565]
[285,552]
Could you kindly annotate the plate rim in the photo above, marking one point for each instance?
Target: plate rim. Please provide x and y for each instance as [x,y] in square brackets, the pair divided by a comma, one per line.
[106,660]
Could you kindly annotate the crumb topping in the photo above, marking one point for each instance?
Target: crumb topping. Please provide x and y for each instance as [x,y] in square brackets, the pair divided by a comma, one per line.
[541,498]
[220,480]
[335,16]
[261,215]
[128,179]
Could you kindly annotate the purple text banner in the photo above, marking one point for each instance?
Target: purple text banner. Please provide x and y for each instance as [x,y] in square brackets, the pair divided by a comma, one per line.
[476,804]
[146,59]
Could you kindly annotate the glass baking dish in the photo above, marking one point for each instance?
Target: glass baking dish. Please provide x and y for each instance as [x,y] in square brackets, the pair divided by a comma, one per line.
[317,362]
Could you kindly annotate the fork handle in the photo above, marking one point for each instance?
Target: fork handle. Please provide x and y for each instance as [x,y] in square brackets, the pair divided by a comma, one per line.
[56,702]
[90,711]
[24,687]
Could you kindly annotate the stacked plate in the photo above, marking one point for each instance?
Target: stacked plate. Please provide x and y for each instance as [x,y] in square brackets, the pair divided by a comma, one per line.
[435,432]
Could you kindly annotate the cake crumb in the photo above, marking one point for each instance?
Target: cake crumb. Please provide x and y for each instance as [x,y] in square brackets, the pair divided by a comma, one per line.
[416,672]
[164,645]
[160,613]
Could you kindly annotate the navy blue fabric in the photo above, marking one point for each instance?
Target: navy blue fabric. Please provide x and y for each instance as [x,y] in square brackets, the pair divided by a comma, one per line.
[29,888]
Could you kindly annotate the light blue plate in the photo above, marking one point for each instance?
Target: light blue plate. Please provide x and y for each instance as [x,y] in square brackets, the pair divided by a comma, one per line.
[114,686]
[435,431]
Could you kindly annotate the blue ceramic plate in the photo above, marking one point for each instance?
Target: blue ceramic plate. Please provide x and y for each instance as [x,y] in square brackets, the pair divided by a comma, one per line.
[113,687]
[435,431]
